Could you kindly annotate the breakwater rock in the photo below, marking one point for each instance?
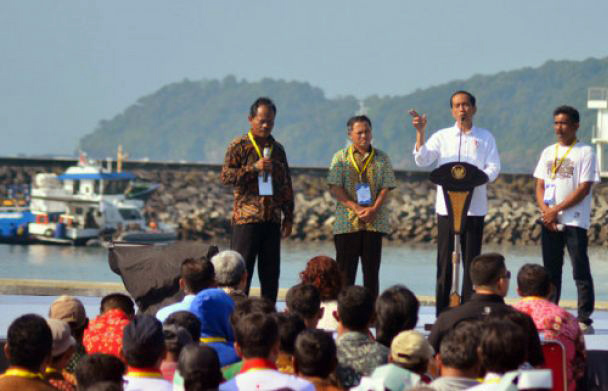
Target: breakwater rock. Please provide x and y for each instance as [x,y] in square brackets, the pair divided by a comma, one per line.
[192,198]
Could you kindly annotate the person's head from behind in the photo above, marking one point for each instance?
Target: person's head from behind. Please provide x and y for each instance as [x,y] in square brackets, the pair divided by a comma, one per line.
[70,310]
[196,275]
[533,280]
[355,309]
[458,350]
[411,351]
[96,368]
[176,337]
[249,306]
[199,365]
[290,326]
[489,274]
[534,354]
[315,354]
[257,336]
[64,344]
[29,343]
[187,320]
[143,342]
[503,346]
[322,272]
[396,311]
[117,301]
[304,300]
[230,270]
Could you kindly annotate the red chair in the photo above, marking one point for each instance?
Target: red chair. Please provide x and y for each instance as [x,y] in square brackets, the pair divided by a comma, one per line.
[555,360]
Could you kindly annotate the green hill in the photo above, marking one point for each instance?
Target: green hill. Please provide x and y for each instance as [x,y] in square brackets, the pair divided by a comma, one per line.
[194,120]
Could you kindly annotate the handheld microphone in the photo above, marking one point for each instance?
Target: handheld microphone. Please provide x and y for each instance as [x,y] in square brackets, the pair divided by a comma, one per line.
[266,156]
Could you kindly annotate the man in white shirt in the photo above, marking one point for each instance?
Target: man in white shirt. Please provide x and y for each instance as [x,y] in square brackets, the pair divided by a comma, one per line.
[565,173]
[195,276]
[466,143]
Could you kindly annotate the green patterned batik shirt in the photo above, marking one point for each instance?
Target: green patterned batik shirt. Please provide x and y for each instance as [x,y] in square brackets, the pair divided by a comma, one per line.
[379,175]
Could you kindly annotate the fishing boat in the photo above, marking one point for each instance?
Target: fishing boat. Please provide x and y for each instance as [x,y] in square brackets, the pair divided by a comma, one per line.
[86,204]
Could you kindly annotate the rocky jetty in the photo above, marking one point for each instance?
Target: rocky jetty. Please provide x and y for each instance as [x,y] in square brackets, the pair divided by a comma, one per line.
[192,198]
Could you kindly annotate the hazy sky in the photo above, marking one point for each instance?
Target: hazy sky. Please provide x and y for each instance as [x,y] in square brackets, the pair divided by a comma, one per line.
[66,64]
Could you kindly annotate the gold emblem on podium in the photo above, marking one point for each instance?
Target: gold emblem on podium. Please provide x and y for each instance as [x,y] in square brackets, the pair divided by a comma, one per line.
[459,172]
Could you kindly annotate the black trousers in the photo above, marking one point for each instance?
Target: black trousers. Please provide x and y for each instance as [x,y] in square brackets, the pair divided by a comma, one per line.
[262,241]
[366,245]
[470,242]
[575,240]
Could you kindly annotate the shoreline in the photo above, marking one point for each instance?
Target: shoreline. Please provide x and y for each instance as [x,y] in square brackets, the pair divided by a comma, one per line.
[38,287]
[192,198]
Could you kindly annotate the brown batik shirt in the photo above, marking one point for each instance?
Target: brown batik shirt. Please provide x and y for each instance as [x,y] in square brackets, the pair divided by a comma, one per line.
[239,171]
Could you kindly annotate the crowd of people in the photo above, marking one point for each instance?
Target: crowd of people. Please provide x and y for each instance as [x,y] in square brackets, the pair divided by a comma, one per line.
[225,340]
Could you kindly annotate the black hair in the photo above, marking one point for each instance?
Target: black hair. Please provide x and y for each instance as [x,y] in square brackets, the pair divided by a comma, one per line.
[262,101]
[315,353]
[357,118]
[143,352]
[487,269]
[472,99]
[256,334]
[187,320]
[117,301]
[29,342]
[503,346]
[570,111]
[290,325]
[458,347]
[304,300]
[396,311]
[533,280]
[199,365]
[98,367]
[198,274]
[355,307]
[249,306]
[534,352]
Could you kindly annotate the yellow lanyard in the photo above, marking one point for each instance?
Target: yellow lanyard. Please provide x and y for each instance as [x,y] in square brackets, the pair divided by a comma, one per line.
[49,370]
[367,161]
[257,148]
[23,373]
[154,375]
[528,298]
[555,167]
[212,339]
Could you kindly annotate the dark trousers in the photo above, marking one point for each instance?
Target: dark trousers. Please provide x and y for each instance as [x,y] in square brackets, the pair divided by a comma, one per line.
[470,243]
[351,246]
[575,239]
[261,240]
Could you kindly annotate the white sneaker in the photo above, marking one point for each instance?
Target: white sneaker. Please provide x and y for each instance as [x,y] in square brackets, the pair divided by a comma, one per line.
[586,328]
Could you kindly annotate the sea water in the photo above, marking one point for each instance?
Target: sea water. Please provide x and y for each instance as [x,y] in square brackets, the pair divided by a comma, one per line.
[412,265]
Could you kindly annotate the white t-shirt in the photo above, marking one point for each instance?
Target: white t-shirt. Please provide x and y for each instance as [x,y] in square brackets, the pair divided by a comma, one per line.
[266,380]
[146,384]
[476,147]
[579,166]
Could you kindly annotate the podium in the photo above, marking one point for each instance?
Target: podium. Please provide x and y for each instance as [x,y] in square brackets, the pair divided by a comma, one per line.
[458,180]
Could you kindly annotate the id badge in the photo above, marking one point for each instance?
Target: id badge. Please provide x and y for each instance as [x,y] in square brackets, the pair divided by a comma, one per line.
[549,198]
[364,194]
[265,187]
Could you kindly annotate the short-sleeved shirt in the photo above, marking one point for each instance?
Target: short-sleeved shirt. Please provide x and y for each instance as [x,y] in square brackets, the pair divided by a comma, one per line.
[578,166]
[104,334]
[379,175]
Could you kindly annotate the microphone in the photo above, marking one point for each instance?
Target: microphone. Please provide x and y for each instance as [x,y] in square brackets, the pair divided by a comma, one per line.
[266,156]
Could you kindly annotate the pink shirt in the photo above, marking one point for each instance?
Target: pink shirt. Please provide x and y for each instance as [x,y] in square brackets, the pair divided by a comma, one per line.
[555,323]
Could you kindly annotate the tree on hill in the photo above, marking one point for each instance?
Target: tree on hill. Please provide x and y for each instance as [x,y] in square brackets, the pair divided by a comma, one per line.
[195,120]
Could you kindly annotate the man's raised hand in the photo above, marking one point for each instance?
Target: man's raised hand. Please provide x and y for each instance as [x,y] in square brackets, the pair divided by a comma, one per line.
[418,121]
